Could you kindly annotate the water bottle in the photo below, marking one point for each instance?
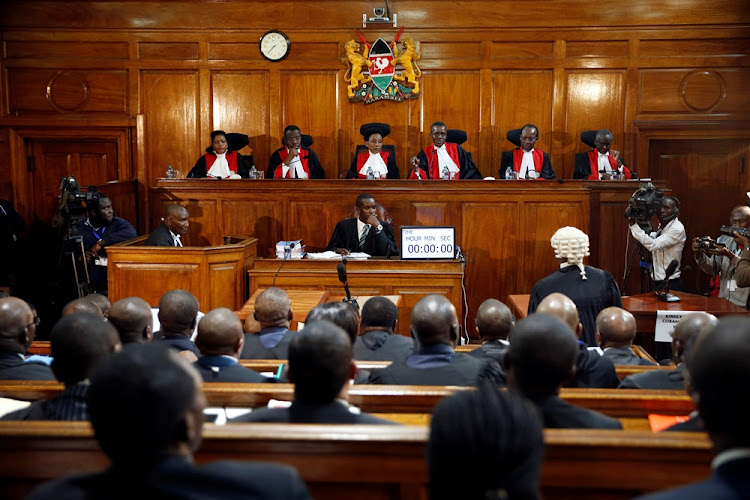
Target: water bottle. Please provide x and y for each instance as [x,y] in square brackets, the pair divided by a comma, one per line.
[509,173]
[170,172]
[446,174]
[253,174]
[370,175]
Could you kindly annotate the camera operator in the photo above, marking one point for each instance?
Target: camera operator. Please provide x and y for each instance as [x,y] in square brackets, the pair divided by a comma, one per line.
[101,229]
[665,244]
[722,256]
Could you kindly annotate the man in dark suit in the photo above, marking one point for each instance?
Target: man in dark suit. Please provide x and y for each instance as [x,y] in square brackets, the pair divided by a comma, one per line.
[720,376]
[365,233]
[528,162]
[377,340]
[79,342]
[615,332]
[273,311]
[147,413]
[494,324]
[320,367]
[673,380]
[435,325]
[592,370]
[541,356]
[220,340]
[17,332]
[178,316]
[133,320]
[175,225]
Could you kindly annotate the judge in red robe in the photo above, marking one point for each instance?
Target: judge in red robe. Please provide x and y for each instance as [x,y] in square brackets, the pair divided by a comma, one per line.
[600,163]
[526,161]
[381,163]
[294,161]
[433,161]
[219,162]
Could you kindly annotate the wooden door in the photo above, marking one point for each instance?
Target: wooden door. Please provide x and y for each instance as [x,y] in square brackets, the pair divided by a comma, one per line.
[709,177]
[90,162]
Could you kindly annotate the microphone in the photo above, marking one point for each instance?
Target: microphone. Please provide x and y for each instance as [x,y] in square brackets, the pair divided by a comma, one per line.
[665,295]
[341,269]
[429,166]
[671,268]
[287,255]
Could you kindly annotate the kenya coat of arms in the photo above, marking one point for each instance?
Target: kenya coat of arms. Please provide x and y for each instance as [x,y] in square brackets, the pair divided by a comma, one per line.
[382,70]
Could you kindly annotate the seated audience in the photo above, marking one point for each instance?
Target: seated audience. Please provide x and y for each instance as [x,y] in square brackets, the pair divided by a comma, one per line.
[591,289]
[441,158]
[592,370]
[79,342]
[132,318]
[615,333]
[541,356]
[693,423]
[378,340]
[674,380]
[146,409]
[81,305]
[219,162]
[178,313]
[174,226]
[720,376]
[492,439]
[17,332]
[364,233]
[320,367]
[273,310]
[526,161]
[380,164]
[220,341]
[293,160]
[435,325]
[102,301]
[494,324]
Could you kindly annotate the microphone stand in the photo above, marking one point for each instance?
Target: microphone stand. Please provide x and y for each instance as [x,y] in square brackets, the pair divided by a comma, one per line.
[287,255]
[341,268]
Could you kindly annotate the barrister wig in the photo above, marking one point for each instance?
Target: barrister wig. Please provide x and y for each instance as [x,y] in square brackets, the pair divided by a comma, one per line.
[572,244]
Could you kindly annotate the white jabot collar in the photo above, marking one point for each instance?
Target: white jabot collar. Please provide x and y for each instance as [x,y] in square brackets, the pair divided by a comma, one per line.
[375,161]
[445,160]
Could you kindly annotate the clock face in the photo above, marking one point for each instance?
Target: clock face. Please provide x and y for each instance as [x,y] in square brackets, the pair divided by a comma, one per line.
[275,45]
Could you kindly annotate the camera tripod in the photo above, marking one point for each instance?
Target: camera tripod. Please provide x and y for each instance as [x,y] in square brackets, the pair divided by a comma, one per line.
[644,264]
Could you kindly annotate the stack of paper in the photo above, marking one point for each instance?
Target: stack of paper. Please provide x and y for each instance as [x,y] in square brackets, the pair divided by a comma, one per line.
[337,256]
[297,249]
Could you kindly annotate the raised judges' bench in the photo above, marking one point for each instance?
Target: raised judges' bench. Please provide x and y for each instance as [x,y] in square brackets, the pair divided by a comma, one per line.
[410,279]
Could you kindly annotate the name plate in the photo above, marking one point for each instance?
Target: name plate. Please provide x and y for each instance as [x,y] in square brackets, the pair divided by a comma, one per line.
[428,242]
[665,323]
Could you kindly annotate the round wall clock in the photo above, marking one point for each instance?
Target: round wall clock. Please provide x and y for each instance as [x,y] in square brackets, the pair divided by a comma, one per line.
[275,45]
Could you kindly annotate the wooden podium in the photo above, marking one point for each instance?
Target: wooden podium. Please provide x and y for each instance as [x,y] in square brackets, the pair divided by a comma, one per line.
[411,279]
[214,274]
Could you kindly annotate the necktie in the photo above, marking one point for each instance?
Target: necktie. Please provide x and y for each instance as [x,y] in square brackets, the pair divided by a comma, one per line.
[177,241]
[364,236]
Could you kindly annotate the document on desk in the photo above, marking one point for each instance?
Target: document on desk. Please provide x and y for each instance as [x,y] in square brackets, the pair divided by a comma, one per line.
[329,255]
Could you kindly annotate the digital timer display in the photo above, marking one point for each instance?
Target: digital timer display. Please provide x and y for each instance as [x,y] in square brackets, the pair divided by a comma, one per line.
[428,242]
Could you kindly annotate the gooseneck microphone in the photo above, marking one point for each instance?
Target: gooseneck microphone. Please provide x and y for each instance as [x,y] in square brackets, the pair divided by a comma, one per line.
[287,255]
[341,269]
[665,295]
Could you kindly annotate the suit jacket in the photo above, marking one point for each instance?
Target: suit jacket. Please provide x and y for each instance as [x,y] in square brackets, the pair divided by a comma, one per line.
[178,477]
[212,371]
[378,345]
[180,343]
[301,413]
[506,160]
[253,349]
[161,237]
[655,379]
[559,414]
[463,370]
[13,367]
[493,349]
[729,481]
[593,370]
[345,235]
[625,356]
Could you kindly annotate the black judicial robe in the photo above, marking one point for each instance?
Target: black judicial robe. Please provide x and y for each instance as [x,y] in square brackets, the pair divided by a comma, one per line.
[590,296]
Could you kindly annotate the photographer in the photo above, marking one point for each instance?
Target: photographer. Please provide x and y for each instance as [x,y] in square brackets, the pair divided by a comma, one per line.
[101,229]
[722,257]
[665,244]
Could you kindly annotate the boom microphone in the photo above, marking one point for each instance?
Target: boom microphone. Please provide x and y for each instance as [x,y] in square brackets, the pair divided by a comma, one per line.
[671,268]
[665,295]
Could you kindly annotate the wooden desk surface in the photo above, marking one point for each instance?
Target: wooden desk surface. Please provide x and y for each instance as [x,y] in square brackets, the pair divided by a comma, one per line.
[302,302]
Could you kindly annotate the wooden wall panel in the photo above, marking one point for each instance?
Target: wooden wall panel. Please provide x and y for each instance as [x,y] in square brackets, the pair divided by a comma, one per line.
[310,101]
[66,50]
[166,50]
[706,47]
[598,48]
[240,104]
[253,218]
[686,91]
[522,50]
[594,100]
[173,130]
[521,97]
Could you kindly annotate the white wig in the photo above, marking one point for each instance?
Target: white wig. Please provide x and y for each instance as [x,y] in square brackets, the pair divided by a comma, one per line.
[573,244]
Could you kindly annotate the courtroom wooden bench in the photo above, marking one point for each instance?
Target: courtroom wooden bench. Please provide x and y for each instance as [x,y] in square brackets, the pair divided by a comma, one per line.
[368,462]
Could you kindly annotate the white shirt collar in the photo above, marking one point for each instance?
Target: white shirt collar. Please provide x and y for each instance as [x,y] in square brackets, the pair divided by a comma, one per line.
[176,237]
[728,456]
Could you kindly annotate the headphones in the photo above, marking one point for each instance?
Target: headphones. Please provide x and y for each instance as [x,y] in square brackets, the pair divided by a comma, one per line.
[676,210]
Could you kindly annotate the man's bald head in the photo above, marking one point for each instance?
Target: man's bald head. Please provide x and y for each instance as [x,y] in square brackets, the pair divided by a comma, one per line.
[273,308]
[564,308]
[81,305]
[615,327]
[494,320]
[688,327]
[174,211]
[541,356]
[15,315]
[434,321]
[178,310]
[79,342]
[133,320]
[102,301]
[220,333]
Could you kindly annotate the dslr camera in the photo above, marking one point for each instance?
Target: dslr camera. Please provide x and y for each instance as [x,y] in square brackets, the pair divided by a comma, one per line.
[706,243]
